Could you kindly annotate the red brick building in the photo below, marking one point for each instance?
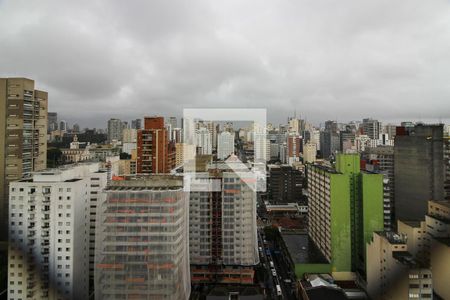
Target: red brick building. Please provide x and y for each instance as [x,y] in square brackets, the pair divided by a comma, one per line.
[155,151]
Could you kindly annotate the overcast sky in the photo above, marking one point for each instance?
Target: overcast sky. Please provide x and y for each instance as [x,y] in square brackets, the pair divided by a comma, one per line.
[341,60]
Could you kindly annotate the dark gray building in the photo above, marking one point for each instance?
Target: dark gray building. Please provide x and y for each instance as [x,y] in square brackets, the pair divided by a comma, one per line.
[284,184]
[372,128]
[52,121]
[418,169]
[329,143]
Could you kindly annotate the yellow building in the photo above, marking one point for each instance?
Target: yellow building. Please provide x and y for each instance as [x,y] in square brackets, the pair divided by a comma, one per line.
[23,136]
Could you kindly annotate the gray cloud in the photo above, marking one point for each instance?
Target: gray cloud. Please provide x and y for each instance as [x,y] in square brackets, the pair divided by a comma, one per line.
[324,59]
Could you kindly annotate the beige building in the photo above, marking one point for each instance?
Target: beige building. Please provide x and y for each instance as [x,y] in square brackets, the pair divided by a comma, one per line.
[23,136]
[428,246]
[392,272]
[438,229]
[440,262]
[309,153]
[417,241]
[184,152]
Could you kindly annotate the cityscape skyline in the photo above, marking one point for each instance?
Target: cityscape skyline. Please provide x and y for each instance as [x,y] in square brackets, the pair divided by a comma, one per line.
[206,150]
[280,56]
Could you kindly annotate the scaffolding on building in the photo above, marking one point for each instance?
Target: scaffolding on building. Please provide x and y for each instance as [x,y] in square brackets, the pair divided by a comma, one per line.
[142,242]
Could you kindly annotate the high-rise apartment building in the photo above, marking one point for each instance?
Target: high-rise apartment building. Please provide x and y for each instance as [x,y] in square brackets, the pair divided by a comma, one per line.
[142,239]
[372,128]
[63,125]
[261,148]
[52,121]
[184,153]
[173,122]
[284,184]
[115,127]
[222,227]
[345,207]
[50,235]
[136,124]
[155,153]
[225,145]
[309,153]
[23,137]
[418,169]
[294,148]
[329,140]
[129,140]
[204,141]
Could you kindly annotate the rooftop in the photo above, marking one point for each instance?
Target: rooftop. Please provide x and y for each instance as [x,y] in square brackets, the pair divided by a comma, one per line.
[392,237]
[325,168]
[405,258]
[325,293]
[146,182]
[302,249]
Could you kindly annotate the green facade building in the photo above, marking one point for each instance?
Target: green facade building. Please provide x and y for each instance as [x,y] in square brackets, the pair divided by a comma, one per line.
[345,207]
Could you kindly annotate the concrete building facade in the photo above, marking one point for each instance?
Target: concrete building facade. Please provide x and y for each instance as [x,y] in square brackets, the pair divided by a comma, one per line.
[23,137]
[418,169]
[345,208]
[392,272]
[115,127]
[222,228]
[50,234]
[225,145]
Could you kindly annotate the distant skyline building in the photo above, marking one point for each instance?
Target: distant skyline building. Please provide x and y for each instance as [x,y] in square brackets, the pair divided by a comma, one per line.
[115,127]
[294,148]
[136,124]
[309,153]
[418,169]
[225,145]
[155,153]
[173,122]
[372,128]
[329,139]
[52,122]
[63,125]
[203,141]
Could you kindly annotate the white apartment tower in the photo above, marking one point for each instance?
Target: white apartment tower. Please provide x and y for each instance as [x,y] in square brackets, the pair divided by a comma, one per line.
[115,127]
[225,145]
[203,141]
[49,233]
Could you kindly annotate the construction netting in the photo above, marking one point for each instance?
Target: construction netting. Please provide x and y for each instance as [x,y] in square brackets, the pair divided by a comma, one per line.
[142,245]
